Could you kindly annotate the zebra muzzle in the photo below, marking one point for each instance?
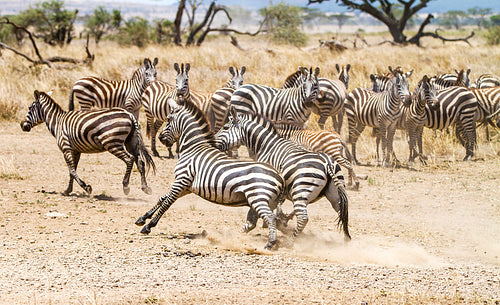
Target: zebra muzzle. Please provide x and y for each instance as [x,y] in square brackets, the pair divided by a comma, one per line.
[25,126]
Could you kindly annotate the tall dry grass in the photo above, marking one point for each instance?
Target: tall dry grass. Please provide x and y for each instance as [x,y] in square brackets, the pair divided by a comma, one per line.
[266,64]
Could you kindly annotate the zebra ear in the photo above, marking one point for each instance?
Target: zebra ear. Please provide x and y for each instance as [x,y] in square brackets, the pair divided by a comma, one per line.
[234,114]
[348,67]
[316,72]
[337,67]
[176,67]
[231,70]
[147,62]
[425,79]
[36,94]
[468,71]
[49,93]
[390,69]
[456,71]
[372,77]
[243,69]
[188,66]
[408,74]
[155,61]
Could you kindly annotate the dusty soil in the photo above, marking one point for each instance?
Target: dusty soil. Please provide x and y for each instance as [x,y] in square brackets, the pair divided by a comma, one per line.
[429,235]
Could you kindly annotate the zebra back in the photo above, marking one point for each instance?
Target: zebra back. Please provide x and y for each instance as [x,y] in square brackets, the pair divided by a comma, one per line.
[487,81]
[489,103]
[101,93]
[442,81]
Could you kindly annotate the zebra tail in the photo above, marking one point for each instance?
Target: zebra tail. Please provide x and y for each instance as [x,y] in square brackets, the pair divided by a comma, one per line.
[343,200]
[71,105]
[143,152]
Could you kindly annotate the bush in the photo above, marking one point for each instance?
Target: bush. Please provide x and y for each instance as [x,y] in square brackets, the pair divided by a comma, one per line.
[492,35]
[136,31]
[283,23]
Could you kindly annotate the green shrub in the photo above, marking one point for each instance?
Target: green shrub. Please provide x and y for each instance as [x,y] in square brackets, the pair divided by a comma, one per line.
[492,35]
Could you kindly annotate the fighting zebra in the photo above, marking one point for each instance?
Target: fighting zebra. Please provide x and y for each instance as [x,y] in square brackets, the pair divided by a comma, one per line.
[115,130]
[221,98]
[100,93]
[331,98]
[380,110]
[461,78]
[291,104]
[308,175]
[455,106]
[486,81]
[209,173]
[328,142]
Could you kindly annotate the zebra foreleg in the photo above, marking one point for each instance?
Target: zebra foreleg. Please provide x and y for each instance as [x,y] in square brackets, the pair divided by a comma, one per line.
[154,130]
[72,159]
[252,217]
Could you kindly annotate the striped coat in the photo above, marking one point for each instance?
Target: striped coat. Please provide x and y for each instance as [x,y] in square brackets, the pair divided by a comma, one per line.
[114,130]
[207,172]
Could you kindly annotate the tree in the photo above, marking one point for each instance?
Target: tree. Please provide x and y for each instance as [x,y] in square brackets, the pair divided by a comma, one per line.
[495,20]
[283,23]
[51,21]
[453,18]
[480,14]
[341,19]
[385,12]
[101,22]
[135,32]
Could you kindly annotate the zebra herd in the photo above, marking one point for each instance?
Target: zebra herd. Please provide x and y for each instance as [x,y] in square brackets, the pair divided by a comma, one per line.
[291,161]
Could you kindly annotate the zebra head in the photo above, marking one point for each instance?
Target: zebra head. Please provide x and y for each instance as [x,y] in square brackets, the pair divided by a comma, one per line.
[426,93]
[400,85]
[171,132]
[311,86]
[182,79]
[229,136]
[463,78]
[34,115]
[237,77]
[344,74]
[149,70]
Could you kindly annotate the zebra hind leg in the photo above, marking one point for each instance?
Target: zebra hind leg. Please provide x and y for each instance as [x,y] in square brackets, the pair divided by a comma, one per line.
[72,159]
[252,217]
[264,212]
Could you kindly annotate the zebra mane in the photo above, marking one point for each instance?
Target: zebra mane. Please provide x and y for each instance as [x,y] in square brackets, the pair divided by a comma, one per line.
[293,79]
[205,125]
[43,95]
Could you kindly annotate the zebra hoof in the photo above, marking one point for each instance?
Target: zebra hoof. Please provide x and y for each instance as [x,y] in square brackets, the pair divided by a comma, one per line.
[66,193]
[88,189]
[140,221]
[145,230]
[147,190]
[270,245]
[126,190]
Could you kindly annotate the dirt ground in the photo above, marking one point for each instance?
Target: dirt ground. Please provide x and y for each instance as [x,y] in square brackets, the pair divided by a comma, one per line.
[430,235]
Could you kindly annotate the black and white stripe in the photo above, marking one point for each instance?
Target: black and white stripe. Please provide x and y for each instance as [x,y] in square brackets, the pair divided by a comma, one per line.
[308,175]
[486,81]
[207,172]
[380,110]
[461,78]
[115,130]
[101,93]
[291,104]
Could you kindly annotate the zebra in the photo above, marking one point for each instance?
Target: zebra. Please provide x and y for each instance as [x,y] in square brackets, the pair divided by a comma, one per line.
[331,97]
[308,175]
[291,104]
[209,173]
[489,102]
[455,106]
[380,82]
[221,98]
[380,110]
[328,142]
[486,81]
[461,78]
[115,130]
[155,100]
[97,92]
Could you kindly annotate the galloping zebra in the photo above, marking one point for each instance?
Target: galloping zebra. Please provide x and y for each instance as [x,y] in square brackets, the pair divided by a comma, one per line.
[461,78]
[101,93]
[308,175]
[455,106]
[221,98]
[487,81]
[207,172]
[328,142]
[115,130]
[291,104]
[380,110]
[331,97]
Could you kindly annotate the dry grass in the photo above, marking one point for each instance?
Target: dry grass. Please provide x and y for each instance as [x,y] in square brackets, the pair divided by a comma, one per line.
[266,64]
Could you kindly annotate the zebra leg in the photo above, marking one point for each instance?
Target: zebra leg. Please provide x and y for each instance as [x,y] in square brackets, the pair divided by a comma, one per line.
[251,223]
[421,155]
[264,212]
[154,130]
[122,154]
[134,146]
[337,121]
[72,158]
[390,150]
[353,138]
[161,206]
[300,210]
[322,121]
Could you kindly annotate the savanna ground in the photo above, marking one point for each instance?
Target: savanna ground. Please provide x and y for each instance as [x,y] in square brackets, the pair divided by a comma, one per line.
[421,234]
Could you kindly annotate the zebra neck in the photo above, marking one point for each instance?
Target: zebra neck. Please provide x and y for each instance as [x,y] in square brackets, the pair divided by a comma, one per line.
[52,115]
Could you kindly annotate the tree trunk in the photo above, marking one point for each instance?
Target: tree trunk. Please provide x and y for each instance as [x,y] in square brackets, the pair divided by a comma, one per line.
[177,23]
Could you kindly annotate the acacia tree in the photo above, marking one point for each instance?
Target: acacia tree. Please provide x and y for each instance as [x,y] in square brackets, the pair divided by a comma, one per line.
[385,11]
